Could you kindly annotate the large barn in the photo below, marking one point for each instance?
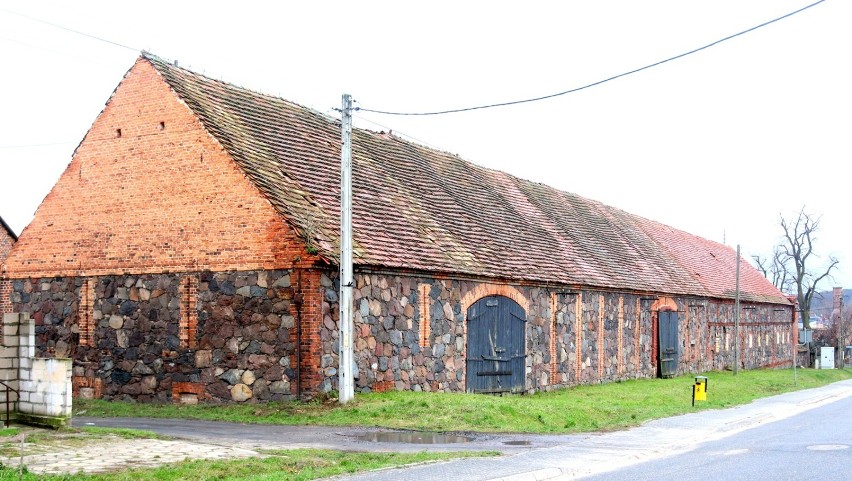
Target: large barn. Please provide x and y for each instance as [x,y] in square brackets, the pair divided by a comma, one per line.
[189,253]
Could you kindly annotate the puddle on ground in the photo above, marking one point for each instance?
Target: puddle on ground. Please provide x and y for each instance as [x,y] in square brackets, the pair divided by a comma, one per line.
[518,443]
[413,438]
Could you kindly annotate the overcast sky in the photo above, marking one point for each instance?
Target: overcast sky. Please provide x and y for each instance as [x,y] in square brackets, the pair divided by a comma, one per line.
[718,143]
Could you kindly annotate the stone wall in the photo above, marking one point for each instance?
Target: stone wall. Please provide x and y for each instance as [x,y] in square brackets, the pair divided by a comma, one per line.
[232,336]
[576,337]
[242,348]
[766,337]
[43,385]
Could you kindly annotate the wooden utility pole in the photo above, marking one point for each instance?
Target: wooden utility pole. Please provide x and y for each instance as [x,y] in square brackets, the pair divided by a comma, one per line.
[346,386]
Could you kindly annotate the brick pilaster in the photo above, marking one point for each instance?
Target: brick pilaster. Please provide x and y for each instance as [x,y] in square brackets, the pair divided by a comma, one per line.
[554,365]
[425,315]
[578,333]
[620,335]
[85,311]
[637,333]
[601,307]
[307,308]
[189,311]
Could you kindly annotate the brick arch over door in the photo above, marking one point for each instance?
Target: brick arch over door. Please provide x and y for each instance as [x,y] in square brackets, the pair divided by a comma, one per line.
[483,290]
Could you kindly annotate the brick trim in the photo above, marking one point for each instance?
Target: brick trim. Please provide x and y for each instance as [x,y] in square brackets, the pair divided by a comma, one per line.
[601,336]
[188,329]
[687,348]
[309,290]
[94,383]
[554,365]
[620,335]
[483,290]
[85,313]
[196,388]
[425,321]
[578,336]
[637,333]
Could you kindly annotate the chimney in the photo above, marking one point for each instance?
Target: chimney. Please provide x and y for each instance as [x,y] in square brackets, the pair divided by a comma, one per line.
[837,305]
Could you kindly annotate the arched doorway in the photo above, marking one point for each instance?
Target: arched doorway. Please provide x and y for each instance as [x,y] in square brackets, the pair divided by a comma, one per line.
[496,336]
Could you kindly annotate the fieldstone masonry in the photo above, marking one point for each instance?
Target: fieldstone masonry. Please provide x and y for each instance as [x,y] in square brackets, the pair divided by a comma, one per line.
[244,342]
[410,333]
[43,384]
[597,336]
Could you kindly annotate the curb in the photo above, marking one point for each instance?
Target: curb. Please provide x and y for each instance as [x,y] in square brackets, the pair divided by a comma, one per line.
[537,475]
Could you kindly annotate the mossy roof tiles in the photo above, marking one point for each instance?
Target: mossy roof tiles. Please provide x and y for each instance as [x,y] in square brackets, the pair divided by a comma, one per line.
[420,208]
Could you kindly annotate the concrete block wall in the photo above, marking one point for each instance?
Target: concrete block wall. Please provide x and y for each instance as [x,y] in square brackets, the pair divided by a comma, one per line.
[43,384]
[9,354]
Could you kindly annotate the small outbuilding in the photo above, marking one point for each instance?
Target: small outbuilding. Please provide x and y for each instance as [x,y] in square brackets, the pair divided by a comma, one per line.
[189,253]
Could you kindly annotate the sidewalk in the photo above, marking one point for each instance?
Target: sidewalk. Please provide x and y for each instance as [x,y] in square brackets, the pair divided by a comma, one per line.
[528,457]
[598,453]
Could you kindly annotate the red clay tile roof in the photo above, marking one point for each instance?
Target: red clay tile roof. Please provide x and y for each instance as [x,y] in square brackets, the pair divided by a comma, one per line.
[419,208]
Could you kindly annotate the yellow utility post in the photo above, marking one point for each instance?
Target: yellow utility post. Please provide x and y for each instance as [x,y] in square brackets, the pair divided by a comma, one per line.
[699,389]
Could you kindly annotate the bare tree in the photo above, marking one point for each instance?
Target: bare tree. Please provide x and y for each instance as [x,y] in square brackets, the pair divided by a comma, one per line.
[798,248]
[776,270]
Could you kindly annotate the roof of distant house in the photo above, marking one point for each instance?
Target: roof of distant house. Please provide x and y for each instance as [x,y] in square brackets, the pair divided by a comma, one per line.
[8,229]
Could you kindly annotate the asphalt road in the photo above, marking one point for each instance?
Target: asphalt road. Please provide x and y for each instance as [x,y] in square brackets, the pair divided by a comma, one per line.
[802,435]
[813,445]
[265,436]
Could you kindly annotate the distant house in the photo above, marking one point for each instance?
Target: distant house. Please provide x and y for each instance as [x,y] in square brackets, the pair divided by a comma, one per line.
[189,253]
[7,240]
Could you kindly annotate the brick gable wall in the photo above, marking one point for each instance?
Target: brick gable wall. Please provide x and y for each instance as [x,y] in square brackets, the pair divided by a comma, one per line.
[149,190]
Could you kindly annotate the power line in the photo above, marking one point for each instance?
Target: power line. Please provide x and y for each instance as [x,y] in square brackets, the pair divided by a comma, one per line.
[71,30]
[56,52]
[31,146]
[599,82]
[395,132]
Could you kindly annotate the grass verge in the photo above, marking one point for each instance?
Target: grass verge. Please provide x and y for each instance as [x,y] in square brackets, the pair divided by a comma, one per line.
[289,465]
[579,409]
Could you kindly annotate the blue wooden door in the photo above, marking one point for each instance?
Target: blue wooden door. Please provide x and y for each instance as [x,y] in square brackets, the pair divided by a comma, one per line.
[496,328]
[668,340]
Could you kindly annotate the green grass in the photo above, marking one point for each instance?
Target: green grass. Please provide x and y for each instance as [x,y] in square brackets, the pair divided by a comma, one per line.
[297,464]
[579,409]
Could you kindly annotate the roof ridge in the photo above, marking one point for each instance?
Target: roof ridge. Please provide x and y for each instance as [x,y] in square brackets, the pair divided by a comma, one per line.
[173,65]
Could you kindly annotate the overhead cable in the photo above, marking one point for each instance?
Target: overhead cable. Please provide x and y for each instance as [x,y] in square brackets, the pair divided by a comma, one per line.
[71,30]
[593,84]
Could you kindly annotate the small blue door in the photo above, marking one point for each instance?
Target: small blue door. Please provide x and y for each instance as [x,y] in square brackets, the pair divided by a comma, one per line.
[668,353]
